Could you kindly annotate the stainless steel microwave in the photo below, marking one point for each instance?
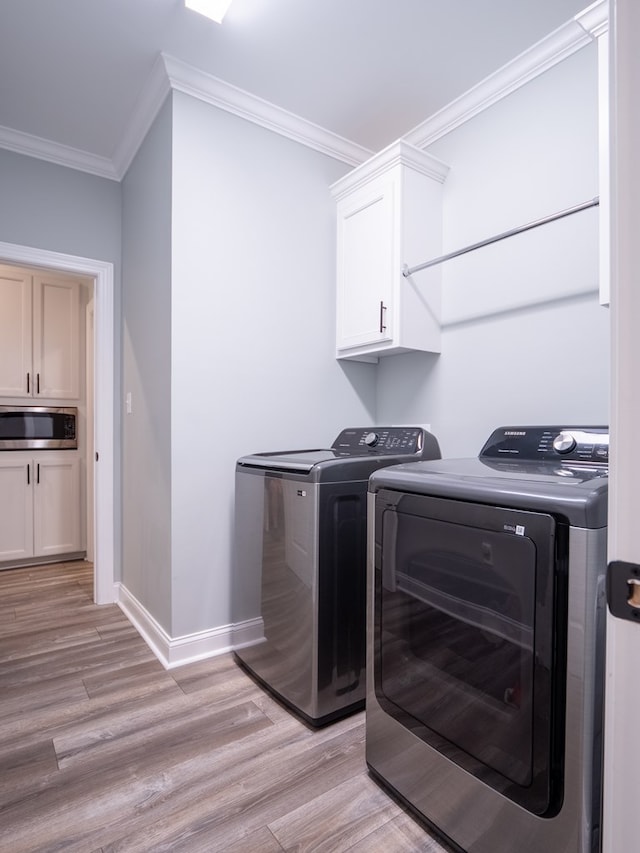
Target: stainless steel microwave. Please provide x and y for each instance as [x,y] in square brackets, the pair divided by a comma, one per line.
[38,428]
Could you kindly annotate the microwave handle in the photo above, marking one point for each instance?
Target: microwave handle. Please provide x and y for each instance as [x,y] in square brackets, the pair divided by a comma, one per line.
[28,384]
[28,474]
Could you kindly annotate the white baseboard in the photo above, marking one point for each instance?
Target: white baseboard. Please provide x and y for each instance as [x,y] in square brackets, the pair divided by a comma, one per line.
[247,633]
[177,651]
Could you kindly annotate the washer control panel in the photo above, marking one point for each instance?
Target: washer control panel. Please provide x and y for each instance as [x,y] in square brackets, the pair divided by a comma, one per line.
[385,440]
[573,444]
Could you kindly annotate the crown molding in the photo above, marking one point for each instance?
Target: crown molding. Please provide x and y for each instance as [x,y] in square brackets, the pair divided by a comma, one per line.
[53,152]
[212,90]
[594,20]
[550,51]
[398,153]
[169,73]
[147,108]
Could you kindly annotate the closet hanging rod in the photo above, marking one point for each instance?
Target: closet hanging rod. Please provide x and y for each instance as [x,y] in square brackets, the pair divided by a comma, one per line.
[407,271]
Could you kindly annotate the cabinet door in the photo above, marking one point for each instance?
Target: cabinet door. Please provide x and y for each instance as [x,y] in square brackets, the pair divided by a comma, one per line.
[16,508]
[56,504]
[365,266]
[56,337]
[15,333]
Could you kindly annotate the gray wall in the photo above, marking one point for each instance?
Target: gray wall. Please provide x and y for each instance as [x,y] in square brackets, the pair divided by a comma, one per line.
[58,209]
[146,463]
[525,339]
[253,332]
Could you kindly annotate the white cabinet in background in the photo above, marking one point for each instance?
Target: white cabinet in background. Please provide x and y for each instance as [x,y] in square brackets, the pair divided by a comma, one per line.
[389,215]
[16,508]
[39,505]
[39,335]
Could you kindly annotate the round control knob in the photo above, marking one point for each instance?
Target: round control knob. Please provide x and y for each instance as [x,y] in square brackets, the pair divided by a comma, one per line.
[564,442]
[371,439]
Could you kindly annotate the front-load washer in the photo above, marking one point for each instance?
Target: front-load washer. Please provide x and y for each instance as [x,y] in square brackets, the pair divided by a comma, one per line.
[300,563]
[486,599]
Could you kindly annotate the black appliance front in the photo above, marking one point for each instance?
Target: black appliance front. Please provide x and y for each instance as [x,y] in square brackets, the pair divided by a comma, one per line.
[470,652]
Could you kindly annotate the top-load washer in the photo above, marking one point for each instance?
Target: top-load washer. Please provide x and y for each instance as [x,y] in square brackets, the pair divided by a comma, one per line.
[486,639]
[300,562]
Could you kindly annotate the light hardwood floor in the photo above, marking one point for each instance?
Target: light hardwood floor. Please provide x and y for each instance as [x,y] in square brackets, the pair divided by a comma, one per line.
[101,749]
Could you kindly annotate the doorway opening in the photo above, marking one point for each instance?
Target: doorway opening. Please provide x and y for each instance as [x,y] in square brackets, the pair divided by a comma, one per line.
[102,522]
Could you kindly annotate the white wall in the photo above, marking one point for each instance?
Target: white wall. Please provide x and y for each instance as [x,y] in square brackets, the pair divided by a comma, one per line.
[524,339]
[253,332]
[146,464]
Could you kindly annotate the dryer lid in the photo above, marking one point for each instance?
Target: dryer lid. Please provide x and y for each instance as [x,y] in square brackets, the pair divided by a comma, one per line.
[577,492]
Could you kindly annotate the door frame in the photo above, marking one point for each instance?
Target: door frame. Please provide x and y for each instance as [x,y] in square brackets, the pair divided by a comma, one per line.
[89,479]
[622,702]
[102,272]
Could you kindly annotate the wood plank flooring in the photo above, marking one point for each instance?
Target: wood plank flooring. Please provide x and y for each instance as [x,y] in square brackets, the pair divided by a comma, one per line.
[101,749]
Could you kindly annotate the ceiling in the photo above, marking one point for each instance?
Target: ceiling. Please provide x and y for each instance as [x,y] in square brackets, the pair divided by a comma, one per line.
[72,71]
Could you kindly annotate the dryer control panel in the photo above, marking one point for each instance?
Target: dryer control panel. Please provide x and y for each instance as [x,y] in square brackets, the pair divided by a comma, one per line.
[385,440]
[575,444]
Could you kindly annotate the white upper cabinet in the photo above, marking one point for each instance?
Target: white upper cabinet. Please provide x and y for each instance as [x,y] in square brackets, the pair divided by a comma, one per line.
[15,332]
[39,335]
[56,337]
[389,216]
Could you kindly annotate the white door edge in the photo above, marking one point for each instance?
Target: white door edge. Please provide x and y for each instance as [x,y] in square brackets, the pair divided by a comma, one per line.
[622,689]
